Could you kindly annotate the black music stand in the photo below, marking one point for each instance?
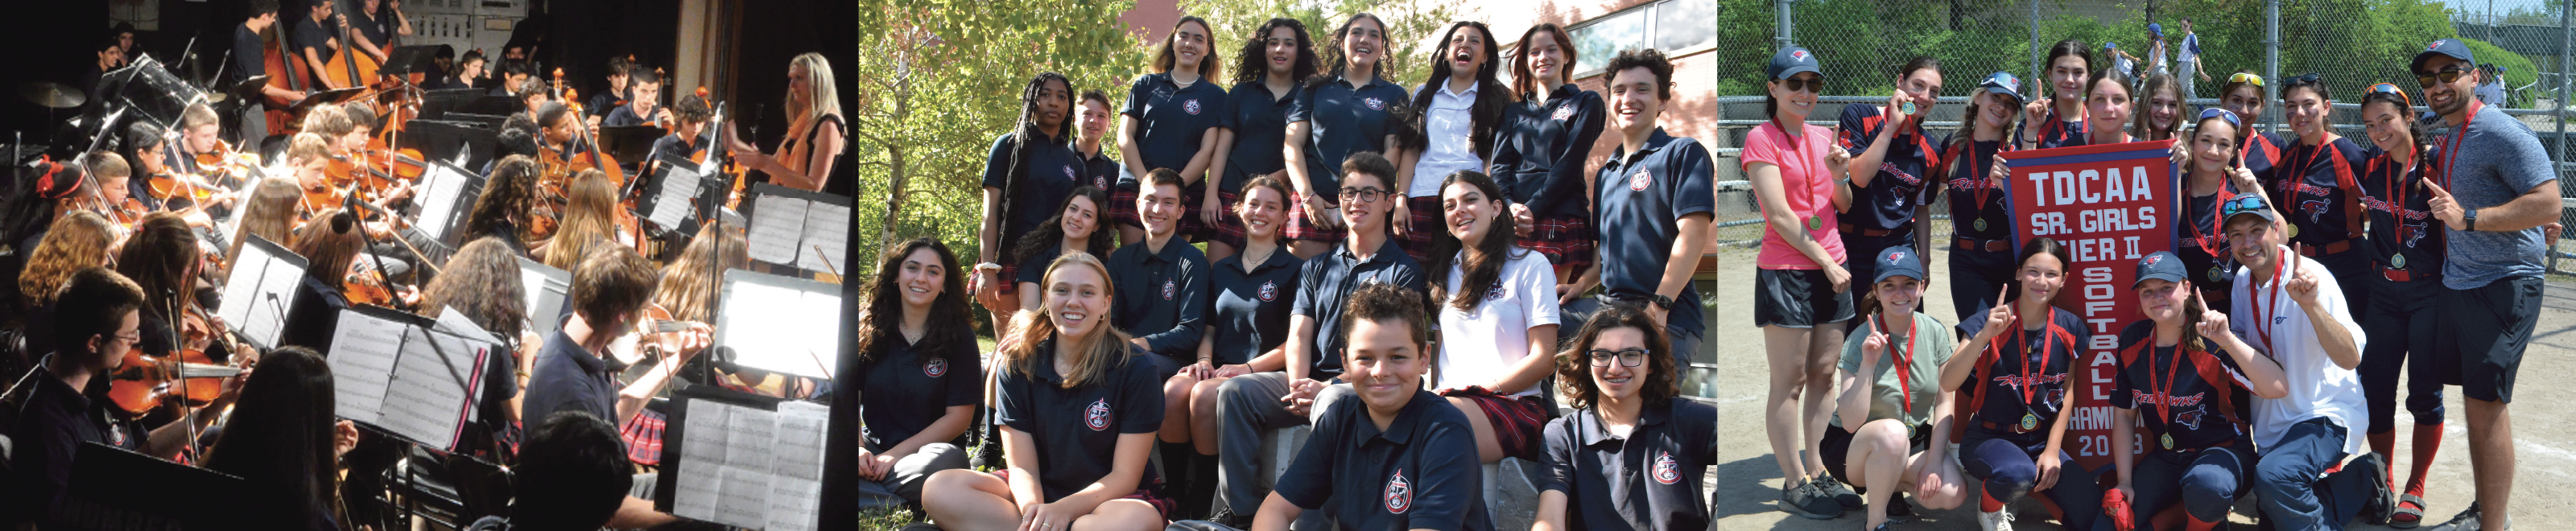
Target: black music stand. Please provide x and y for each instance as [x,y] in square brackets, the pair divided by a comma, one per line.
[415,59]
[440,139]
[630,143]
[102,494]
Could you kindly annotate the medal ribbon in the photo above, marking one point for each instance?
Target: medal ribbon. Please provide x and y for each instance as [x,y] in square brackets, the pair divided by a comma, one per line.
[2262,324]
[1904,364]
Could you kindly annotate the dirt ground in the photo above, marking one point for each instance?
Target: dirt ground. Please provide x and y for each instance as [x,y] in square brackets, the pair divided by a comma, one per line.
[1748,480]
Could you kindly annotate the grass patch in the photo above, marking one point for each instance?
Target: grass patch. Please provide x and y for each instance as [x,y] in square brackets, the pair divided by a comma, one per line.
[885,518]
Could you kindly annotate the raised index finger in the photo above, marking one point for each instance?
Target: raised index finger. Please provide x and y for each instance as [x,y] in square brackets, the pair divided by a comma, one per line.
[2436,189]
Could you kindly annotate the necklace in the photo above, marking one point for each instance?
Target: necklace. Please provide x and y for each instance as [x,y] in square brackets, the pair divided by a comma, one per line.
[911,335]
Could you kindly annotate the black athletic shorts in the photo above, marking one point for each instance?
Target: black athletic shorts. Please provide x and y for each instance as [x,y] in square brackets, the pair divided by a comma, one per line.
[2492,324]
[1798,298]
[1836,450]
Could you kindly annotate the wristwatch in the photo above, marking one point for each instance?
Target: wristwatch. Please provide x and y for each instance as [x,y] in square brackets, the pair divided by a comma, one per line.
[1663,302]
[2470,217]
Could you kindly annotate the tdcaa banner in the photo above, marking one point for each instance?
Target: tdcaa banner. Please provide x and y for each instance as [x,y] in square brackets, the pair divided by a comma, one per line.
[2110,205]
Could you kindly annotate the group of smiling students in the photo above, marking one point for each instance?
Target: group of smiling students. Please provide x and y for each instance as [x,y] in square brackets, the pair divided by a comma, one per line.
[1389,267]
[2252,372]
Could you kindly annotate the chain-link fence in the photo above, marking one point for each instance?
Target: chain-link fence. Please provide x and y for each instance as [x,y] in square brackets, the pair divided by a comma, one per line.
[2349,44]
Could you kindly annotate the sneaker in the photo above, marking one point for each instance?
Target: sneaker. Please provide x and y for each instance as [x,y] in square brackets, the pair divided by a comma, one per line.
[1995,521]
[1226,517]
[2467,520]
[1805,500]
[1897,510]
[1841,493]
[1884,526]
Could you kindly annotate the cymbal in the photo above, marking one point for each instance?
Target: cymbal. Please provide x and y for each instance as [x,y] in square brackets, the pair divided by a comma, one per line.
[50,94]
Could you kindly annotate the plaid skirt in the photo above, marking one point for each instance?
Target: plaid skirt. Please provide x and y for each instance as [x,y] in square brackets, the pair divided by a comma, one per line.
[643,436]
[1421,227]
[1228,228]
[1008,278]
[1301,228]
[1567,241]
[1122,209]
[1519,422]
[1150,494]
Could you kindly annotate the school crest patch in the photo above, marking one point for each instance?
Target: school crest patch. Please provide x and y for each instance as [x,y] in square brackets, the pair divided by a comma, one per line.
[1562,113]
[1190,106]
[1399,493]
[1169,289]
[1071,175]
[1667,471]
[1374,104]
[1641,181]
[1269,291]
[1097,416]
[935,368]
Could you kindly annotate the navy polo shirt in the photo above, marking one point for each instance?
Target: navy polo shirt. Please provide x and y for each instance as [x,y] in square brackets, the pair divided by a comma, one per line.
[1077,429]
[2401,219]
[1033,267]
[51,425]
[1260,125]
[1052,171]
[1102,170]
[1418,473]
[1648,480]
[2262,151]
[1328,280]
[1250,313]
[1343,120]
[624,116]
[1162,296]
[1966,181]
[249,56]
[373,29]
[2055,132]
[2324,195]
[677,145]
[309,34]
[1889,200]
[1541,163]
[1171,119]
[2150,375]
[1641,202]
[905,388]
[568,377]
[2047,369]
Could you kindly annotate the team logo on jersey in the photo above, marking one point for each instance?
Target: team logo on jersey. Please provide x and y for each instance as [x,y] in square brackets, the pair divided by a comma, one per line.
[935,368]
[1399,493]
[1097,416]
[1496,292]
[1100,183]
[1269,291]
[1168,289]
[1071,175]
[2316,209]
[1374,104]
[1190,106]
[1666,470]
[2414,232]
[1641,181]
[1563,113]
[2191,419]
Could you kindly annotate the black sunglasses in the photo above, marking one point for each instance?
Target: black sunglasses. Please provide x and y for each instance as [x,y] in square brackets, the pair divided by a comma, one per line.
[2447,75]
[1813,84]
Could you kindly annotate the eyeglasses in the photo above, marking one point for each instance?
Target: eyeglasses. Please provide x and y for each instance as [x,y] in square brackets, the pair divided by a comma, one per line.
[1364,195]
[2387,88]
[2245,77]
[1627,357]
[1813,84]
[2447,75]
[2243,204]
[2223,114]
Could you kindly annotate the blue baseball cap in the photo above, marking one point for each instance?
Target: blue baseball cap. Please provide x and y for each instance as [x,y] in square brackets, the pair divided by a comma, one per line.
[2451,47]
[2160,266]
[2106,45]
[1790,61]
[2246,205]
[1899,261]
[2155,29]
[2003,83]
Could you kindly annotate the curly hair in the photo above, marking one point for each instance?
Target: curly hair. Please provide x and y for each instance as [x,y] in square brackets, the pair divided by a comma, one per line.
[691,284]
[506,195]
[80,239]
[950,322]
[1250,62]
[1574,365]
[1051,232]
[1333,54]
[482,281]
[161,257]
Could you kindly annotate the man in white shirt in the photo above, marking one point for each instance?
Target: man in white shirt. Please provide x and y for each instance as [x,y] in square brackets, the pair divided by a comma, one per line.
[2187,60]
[2293,311]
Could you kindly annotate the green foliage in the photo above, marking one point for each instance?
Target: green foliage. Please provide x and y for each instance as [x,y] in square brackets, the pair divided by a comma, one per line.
[1411,25]
[2519,70]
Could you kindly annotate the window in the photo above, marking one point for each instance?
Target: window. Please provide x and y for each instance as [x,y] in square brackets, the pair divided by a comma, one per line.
[1673,26]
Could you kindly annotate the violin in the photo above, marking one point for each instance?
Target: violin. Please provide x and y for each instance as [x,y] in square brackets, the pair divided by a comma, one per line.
[144,381]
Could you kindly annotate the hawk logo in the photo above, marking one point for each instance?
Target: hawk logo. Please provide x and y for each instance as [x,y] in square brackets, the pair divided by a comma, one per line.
[1399,493]
[2191,419]
[1895,255]
[1640,181]
[2316,209]
[2153,258]
[1097,416]
[1269,291]
[2414,232]
[1190,106]
[1071,175]
[1168,289]
[1666,470]
[1374,104]
[1800,55]
[1562,114]
[2436,45]
[935,368]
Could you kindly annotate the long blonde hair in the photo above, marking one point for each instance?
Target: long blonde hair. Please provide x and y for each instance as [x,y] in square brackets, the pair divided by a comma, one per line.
[80,239]
[1107,347]
[824,97]
[689,284]
[588,218]
[269,214]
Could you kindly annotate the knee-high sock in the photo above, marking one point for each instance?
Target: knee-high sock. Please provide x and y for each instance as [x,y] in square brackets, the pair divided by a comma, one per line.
[2428,442]
[2385,444]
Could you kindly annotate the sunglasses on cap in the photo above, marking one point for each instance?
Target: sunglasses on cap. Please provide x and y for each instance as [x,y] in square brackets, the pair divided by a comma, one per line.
[2242,204]
[2223,114]
[2447,75]
[2388,88]
[2310,78]
[2246,77]
[1814,84]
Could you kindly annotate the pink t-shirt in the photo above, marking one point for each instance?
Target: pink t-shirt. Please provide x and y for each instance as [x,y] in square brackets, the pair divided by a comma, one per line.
[1809,186]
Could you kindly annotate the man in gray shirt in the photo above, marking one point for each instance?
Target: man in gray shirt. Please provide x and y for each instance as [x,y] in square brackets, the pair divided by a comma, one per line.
[2494,188]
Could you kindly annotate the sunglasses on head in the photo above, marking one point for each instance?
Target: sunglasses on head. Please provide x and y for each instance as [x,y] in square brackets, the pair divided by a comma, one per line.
[2310,78]
[2245,77]
[2447,75]
[2223,114]
[2388,88]
[1813,84]
[2242,204]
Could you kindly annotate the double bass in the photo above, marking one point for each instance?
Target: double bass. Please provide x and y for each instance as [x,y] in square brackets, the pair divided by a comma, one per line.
[285,74]
[352,66]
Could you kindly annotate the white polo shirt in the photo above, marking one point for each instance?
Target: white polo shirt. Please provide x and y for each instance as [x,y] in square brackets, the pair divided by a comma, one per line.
[2318,387]
[1478,346]
[1450,123]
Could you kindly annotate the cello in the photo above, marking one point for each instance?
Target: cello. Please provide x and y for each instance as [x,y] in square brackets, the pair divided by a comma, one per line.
[352,66]
[282,74]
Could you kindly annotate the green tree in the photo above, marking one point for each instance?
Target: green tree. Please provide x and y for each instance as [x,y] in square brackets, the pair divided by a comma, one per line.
[1410,27]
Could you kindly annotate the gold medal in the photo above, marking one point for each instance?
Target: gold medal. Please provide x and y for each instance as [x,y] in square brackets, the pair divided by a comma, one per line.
[2029,422]
[2397,261]
[2294,230]
[2217,274]
[2168,439]
[1909,431]
[1981,224]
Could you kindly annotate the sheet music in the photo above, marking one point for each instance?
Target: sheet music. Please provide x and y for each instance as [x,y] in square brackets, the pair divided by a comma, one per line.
[780,328]
[795,493]
[441,190]
[432,386]
[777,225]
[455,322]
[545,295]
[671,205]
[826,226]
[257,293]
[362,356]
